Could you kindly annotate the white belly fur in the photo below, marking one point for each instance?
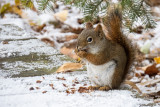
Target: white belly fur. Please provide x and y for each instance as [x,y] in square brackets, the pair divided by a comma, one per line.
[101,75]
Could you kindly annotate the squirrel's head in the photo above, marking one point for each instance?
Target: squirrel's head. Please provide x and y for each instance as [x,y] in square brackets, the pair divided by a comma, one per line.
[91,40]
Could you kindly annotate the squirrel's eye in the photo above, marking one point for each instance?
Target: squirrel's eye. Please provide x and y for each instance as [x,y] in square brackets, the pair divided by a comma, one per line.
[89,39]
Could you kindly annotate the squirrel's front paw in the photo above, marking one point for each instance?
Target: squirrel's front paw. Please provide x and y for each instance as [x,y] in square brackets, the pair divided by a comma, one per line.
[81,54]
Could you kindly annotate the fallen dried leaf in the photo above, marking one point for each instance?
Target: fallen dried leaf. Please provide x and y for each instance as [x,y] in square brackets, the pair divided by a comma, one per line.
[36,27]
[37,88]
[69,52]
[157,100]
[62,15]
[157,60]
[84,84]
[152,70]
[76,82]
[69,66]
[44,92]
[70,45]
[38,81]
[73,91]
[133,85]
[5,42]
[71,29]
[43,77]
[64,85]
[83,90]
[80,21]
[137,75]
[31,88]
[67,38]
[73,84]
[151,82]
[51,85]
[67,91]
[60,78]
[48,41]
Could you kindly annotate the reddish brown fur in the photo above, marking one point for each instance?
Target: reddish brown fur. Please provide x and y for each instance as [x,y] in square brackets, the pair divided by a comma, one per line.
[118,48]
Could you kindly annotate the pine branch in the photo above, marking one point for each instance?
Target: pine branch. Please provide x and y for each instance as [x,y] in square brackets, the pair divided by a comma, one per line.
[45,4]
[133,10]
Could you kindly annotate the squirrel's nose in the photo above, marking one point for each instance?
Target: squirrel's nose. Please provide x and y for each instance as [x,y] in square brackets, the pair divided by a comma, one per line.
[80,48]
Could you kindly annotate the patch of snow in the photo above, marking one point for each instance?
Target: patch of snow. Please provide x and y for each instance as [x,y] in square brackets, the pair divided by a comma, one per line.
[58,97]
[26,47]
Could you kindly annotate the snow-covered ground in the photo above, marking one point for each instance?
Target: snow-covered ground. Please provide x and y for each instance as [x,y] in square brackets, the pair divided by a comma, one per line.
[51,90]
[16,92]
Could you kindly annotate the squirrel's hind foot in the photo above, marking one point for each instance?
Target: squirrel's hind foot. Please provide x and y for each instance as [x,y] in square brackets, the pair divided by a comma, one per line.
[105,88]
[93,87]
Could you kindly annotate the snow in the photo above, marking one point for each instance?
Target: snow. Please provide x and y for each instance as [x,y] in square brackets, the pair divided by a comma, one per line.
[14,92]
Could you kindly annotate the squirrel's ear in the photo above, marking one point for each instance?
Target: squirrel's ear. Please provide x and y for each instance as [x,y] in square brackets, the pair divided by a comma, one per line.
[99,30]
[89,25]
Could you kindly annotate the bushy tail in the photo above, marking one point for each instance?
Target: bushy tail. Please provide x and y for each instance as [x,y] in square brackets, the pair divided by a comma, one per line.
[113,24]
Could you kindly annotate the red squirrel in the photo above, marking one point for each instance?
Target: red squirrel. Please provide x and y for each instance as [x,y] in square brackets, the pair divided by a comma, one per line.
[108,60]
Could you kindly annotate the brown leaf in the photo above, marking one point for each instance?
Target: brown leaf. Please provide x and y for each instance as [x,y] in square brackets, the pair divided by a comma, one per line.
[80,21]
[38,81]
[48,41]
[69,52]
[151,82]
[133,85]
[36,27]
[138,29]
[84,84]
[83,90]
[70,45]
[60,78]
[67,91]
[71,29]
[137,75]
[44,92]
[31,88]
[5,42]
[73,91]
[51,85]
[76,82]
[65,85]
[152,70]
[37,88]
[73,84]
[69,66]
[157,100]
[66,38]
[62,15]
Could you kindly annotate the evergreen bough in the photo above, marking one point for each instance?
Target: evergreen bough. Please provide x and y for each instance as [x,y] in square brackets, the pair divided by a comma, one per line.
[132,10]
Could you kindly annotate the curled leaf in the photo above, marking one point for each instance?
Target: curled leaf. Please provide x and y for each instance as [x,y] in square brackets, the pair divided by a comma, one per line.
[152,70]
[69,67]
[62,16]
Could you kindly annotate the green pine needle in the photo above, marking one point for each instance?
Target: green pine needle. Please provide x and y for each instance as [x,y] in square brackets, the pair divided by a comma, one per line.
[132,10]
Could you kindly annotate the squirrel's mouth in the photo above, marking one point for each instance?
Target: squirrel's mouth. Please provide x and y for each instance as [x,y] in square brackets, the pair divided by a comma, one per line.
[85,50]
[81,49]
